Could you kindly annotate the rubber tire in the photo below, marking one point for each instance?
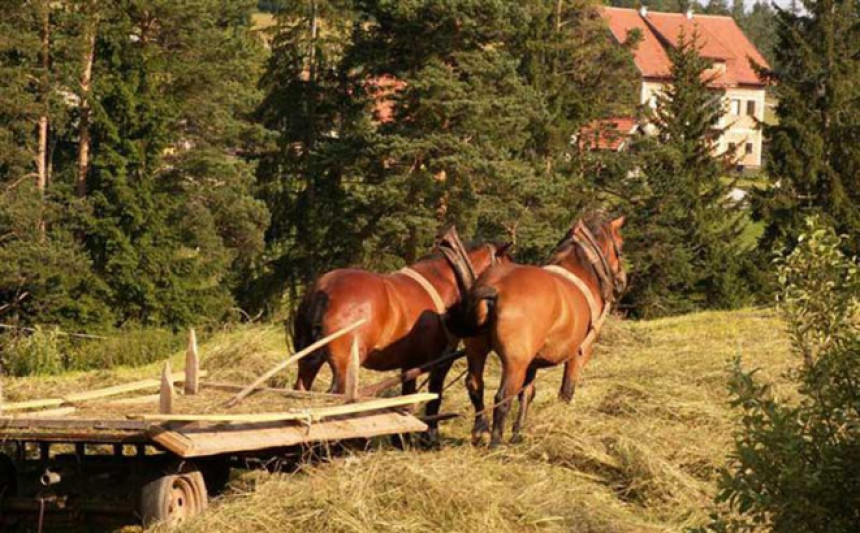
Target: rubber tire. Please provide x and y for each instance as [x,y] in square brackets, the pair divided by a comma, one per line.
[173,497]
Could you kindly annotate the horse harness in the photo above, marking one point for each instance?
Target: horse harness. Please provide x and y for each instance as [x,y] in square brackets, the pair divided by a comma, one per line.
[431,291]
[606,277]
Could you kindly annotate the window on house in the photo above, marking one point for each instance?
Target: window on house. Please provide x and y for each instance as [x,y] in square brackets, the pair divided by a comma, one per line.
[749,148]
[751,108]
[735,108]
[732,148]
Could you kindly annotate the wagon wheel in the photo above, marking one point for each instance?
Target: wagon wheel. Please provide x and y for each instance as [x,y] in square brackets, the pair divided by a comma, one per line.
[173,498]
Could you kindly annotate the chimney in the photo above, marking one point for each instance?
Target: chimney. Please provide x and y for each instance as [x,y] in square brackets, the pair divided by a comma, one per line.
[690,14]
[643,11]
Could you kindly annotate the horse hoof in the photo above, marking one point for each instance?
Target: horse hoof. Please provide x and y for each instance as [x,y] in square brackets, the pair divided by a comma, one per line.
[517,439]
[566,398]
[481,438]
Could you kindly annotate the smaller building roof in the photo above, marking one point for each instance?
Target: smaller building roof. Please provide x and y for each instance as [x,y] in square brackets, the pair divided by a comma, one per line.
[606,133]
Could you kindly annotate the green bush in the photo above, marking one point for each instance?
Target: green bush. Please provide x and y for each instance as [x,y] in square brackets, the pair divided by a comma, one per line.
[796,464]
[29,354]
[49,351]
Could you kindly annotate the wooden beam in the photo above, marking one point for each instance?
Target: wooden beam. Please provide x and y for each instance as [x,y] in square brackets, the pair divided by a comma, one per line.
[122,389]
[290,393]
[280,366]
[311,414]
[165,400]
[192,365]
[32,404]
[385,384]
[134,400]
[47,413]
[352,373]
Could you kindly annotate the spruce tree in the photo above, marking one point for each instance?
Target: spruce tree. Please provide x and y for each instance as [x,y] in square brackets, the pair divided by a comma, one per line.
[814,148]
[683,236]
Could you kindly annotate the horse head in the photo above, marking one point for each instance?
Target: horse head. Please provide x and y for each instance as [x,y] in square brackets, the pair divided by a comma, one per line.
[599,239]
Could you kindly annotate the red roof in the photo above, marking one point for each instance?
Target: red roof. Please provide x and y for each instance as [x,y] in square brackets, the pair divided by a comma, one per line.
[606,133]
[719,39]
[382,89]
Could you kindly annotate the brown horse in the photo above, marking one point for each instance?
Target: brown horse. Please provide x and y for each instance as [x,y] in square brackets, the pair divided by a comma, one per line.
[404,327]
[535,317]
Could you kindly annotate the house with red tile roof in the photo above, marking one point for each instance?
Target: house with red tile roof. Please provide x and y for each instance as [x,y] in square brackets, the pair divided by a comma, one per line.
[722,42]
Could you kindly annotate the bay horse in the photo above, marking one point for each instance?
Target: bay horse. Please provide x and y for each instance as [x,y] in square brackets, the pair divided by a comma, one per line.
[404,325]
[536,317]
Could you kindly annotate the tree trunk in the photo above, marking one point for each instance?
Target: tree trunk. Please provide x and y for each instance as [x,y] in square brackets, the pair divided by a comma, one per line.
[44,95]
[86,84]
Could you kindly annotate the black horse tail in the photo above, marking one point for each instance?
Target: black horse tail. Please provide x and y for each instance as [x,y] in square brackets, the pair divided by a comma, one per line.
[474,314]
[308,324]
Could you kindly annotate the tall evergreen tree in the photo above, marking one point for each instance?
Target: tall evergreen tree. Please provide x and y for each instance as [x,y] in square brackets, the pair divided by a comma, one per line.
[683,239]
[814,149]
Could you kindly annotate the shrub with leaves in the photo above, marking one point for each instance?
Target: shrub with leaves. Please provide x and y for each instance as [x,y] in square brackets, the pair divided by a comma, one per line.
[796,462]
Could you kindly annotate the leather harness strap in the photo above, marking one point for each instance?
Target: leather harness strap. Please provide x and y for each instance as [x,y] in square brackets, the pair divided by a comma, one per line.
[583,288]
[427,286]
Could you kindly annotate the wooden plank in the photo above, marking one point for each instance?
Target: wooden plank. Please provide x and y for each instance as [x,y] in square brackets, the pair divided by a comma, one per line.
[165,399]
[310,349]
[11,423]
[202,442]
[311,414]
[352,369]
[122,389]
[192,365]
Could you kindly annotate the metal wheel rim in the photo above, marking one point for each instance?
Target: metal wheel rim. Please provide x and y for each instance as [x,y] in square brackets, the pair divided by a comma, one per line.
[181,500]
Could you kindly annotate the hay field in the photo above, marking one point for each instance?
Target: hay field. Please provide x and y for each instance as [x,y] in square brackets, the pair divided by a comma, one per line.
[636,451]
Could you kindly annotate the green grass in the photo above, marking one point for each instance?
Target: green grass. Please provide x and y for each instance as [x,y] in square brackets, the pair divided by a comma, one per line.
[636,451]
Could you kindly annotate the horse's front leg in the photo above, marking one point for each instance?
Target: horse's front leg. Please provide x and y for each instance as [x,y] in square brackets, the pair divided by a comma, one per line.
[527,394]
[477,350]
[572,368]
[435,385]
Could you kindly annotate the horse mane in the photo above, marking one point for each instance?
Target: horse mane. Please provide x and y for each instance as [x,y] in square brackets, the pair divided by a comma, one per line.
[471,246]
[597,222]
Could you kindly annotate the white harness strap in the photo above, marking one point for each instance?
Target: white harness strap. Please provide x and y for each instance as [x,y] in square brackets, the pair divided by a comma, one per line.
[583,288]
[427,286]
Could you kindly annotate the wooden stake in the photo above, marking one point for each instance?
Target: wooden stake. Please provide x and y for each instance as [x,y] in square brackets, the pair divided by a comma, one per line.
[165,401]
[280,366]
[352,373]
[192,365]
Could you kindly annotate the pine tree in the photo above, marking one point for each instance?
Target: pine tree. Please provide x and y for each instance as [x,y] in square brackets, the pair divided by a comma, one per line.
[814,149]
[683,242]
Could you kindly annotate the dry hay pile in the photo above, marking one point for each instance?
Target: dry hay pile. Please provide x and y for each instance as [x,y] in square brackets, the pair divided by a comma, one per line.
[637,451]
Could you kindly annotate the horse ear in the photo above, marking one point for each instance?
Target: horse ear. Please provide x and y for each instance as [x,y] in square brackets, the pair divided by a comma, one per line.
[504,249]
[618,222]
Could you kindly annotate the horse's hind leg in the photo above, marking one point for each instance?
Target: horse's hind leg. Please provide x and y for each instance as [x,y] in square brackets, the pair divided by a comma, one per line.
[436,384]
[527,394]
[477,350]
[570,379]
[513,377]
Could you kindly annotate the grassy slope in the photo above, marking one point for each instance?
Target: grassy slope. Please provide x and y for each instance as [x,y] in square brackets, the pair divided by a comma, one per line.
[636,451]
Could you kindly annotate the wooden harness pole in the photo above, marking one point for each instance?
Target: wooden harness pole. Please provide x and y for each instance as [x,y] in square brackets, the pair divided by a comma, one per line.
[280,366]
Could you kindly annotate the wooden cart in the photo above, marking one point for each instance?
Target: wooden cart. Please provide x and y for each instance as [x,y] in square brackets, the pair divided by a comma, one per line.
[101,455]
